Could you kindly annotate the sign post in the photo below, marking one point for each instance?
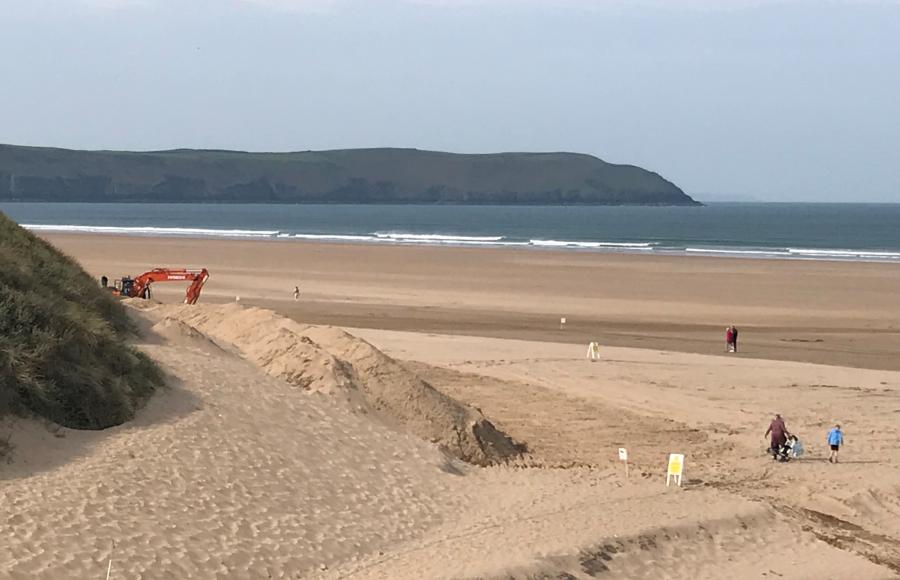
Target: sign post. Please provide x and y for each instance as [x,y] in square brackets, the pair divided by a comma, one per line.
[676,468]
[109,567]
[623,456]
[562,323]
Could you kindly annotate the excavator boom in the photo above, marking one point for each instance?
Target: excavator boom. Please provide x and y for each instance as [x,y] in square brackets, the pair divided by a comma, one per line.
[140,286]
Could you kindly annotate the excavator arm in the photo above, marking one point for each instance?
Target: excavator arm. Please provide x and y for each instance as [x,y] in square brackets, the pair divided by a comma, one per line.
[197,278]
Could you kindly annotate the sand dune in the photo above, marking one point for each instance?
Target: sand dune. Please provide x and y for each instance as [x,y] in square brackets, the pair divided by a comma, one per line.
[235,472]
[230,474]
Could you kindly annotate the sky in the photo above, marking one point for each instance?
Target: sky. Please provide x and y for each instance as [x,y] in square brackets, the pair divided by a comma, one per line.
[792,100]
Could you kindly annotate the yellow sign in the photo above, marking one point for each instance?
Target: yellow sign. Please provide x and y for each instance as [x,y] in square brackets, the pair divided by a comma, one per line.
[676,468]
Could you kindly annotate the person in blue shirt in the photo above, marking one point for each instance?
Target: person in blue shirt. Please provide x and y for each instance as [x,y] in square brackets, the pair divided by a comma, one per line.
[835,440]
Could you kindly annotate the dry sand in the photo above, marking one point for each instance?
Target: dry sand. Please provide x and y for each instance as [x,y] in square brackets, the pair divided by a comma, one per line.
[245,468]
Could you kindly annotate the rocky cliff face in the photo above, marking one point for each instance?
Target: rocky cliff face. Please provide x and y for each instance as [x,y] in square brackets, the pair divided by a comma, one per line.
[342,176]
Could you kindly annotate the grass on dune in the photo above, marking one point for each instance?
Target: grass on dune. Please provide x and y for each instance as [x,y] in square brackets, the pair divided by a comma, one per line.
[63,355]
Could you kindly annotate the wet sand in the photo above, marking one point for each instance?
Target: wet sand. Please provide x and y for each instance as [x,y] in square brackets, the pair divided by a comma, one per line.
[837,313]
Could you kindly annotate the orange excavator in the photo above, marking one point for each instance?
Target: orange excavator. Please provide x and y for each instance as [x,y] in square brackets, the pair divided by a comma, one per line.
[139,286]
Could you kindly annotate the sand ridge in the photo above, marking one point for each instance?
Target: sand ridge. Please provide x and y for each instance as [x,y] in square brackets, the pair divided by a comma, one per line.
[330,361]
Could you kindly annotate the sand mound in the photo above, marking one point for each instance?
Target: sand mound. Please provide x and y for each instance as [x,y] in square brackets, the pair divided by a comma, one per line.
[330,361]
[178,333]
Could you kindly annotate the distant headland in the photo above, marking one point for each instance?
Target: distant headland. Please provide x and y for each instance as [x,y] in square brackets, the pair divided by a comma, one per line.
[400,176]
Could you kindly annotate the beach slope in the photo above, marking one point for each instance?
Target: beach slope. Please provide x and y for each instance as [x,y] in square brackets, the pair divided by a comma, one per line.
[235,473]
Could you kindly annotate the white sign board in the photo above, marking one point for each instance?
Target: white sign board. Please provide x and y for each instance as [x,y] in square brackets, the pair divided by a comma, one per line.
[593,351]
[623,456]
[676,468]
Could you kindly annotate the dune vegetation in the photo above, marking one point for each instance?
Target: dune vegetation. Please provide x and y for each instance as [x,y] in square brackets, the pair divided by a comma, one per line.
[63,350]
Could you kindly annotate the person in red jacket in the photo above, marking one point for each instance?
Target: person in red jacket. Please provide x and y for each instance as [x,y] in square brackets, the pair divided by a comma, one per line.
[729,339]
[779,433]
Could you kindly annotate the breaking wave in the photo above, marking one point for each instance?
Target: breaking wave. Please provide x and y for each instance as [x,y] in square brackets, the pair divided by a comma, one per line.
[153,231]
[596,245]
[410,238]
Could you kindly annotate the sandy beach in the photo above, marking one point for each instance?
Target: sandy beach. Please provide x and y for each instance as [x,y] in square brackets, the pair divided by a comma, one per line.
[837,313]
[288,448]
[450,290]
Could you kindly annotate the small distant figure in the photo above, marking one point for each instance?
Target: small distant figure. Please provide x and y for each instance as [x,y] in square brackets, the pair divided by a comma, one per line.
[835,440]
[296,292]
[734,336]
[779,433]
[729,339]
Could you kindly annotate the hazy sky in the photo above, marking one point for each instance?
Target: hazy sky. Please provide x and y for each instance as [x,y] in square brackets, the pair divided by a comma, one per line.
[790,100]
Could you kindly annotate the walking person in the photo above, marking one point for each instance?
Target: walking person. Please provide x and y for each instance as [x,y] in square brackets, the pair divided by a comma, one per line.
[296,292]
[729,339]
[835,440]
[779,433]
[734,334]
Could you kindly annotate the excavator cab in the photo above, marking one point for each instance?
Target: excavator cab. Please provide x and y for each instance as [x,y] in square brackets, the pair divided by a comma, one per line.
[125,286]
[130,288]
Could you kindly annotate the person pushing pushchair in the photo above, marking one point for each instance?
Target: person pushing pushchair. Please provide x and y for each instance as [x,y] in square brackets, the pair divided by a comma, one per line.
[778,444]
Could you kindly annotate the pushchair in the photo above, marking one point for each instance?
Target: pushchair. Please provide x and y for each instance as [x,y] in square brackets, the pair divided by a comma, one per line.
[792,448]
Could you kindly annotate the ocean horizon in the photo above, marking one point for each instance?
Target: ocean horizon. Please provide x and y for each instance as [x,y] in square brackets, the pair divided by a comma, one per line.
[810,231]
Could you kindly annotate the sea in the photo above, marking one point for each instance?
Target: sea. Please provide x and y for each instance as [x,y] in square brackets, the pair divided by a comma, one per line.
[849,231]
